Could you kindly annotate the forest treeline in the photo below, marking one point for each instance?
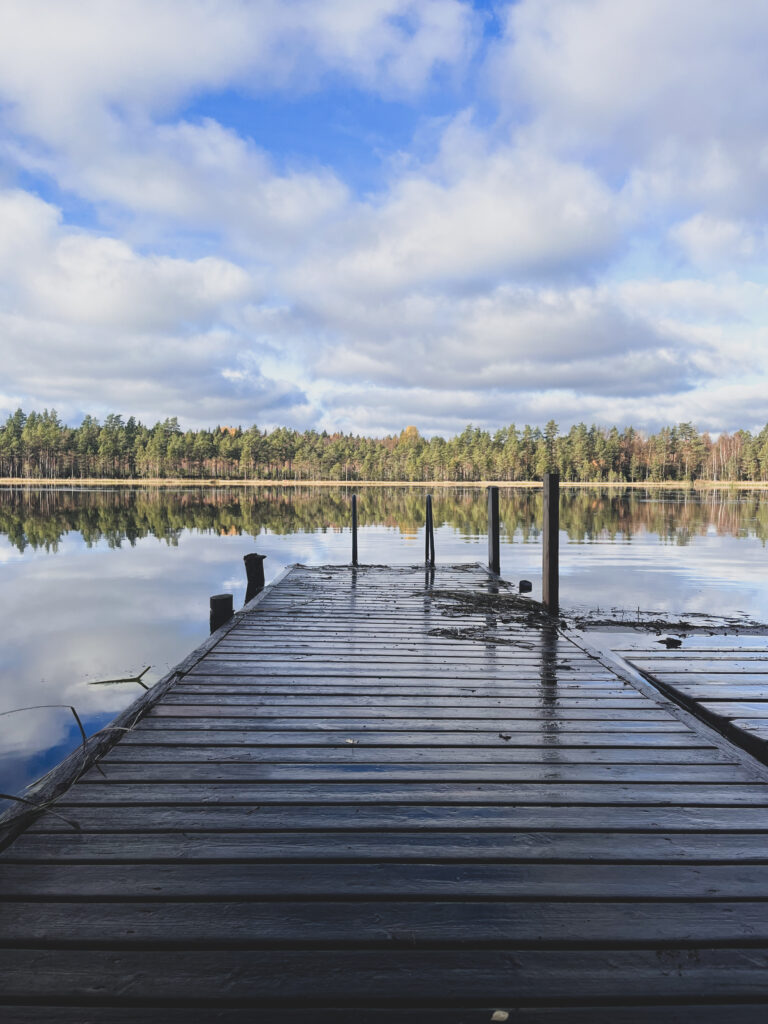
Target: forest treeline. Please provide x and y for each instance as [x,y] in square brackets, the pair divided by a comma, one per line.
[40,517]
[39,445]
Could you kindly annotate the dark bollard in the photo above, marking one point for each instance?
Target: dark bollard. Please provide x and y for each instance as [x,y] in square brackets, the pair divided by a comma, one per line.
[494,554]
[254,571]
[221,610]
[354,529]
[525,586]
[550,576]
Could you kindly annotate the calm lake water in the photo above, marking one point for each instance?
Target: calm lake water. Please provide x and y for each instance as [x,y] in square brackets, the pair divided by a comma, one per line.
[98,583]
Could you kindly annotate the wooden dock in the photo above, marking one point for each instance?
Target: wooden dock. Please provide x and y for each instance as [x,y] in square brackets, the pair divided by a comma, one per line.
[727,686]
[394,794]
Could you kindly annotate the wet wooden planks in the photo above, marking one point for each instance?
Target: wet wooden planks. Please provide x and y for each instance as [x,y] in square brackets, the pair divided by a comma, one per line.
[725,685]
[394,795]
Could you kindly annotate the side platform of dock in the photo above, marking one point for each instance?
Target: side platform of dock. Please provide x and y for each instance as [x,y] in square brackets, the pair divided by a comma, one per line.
[396,793]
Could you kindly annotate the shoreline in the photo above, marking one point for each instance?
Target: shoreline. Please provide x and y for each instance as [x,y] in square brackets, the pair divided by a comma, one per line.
[186,482]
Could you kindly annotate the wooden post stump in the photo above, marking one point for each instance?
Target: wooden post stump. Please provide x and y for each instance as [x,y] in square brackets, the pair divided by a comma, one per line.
[221,611]
[254,571]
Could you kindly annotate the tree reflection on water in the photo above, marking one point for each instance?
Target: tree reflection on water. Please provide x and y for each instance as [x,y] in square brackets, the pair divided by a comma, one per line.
[41,517]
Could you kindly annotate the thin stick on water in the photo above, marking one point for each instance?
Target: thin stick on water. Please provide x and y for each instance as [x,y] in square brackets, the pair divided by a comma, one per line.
[124,679]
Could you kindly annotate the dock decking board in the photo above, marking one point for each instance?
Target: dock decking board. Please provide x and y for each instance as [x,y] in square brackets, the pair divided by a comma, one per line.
[383,794]
[725,686]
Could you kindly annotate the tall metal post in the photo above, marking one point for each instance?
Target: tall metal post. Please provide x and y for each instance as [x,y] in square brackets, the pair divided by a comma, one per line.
[494,554]
[354,529]
[550,574]
[429,535]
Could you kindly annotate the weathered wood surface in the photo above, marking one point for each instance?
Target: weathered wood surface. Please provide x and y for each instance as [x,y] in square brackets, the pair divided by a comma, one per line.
[385,795]
[727,686]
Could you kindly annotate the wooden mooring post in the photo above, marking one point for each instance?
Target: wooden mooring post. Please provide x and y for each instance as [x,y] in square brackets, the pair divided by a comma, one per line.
[221,611]
[254,571]
[550,567]
[429,535]
[494,553]
[354,529]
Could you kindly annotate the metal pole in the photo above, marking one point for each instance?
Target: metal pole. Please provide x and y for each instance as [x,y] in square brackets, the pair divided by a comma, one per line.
[494,554]
[354,529]
[550,574]
[429,538]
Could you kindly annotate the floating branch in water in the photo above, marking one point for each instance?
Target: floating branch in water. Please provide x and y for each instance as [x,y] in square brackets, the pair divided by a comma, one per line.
[38,707]
[31,806]
[124,679]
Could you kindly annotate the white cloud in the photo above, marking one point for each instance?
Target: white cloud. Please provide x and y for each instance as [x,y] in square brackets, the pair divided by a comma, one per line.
[669,98]
[716,241]
[156,335]
[720,406]
[79,278]
[690,300]
[601,74]
[87,320]
[197,177]
[67,68]
[87,99]
[519,339]
[725,322]
[476,214]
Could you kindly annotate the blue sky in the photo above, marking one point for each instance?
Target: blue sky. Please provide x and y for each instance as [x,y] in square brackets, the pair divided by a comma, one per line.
[360,216]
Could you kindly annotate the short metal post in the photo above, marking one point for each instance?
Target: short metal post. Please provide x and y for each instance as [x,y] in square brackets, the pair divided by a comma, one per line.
[550,575]
[429,538]
[254,572]
[354,529]
[494,555]
[221,611]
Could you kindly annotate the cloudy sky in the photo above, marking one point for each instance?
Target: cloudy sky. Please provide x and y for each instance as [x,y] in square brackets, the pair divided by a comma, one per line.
[359,215]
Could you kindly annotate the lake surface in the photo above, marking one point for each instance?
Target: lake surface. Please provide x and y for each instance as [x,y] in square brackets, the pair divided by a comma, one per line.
[98,583]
